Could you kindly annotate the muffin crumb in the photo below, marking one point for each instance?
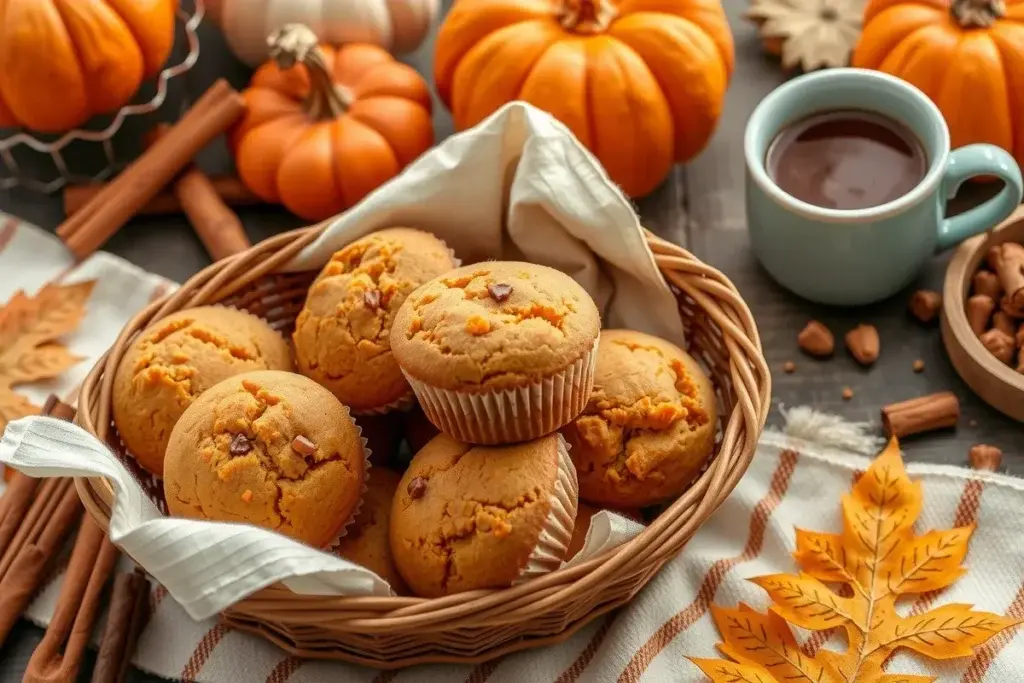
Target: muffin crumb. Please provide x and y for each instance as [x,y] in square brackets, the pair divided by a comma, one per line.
[847,393]
[918,365]
[789,367]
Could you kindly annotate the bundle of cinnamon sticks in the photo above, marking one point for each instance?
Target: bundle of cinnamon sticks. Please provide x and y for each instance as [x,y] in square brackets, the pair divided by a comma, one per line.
[166,164]
[36,516]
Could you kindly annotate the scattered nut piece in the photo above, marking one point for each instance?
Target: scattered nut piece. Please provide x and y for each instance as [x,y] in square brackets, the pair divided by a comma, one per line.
[247,496]
[847,393]
[973,423]
[918,365]
[499,291]
[371,298]
[789,367]
[863,343]
[999,344]
[992,258]
[985,457]
[979,308]
[1010,269]
[303,446]
[925,305]
[417,488]
[816,339]
[986,282]
[1003,322]
[240,445]
[921,414]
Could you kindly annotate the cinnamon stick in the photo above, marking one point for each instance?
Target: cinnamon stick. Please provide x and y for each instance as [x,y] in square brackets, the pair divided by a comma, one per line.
[21,489]
[229,188]
[922,414]
[58,657]
[110,209]
[28,569]
[217,226]
[129,609]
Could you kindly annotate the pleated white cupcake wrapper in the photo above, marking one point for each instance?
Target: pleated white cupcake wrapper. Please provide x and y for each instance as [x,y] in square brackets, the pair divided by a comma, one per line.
[408,400]
[510,415]
[557,532]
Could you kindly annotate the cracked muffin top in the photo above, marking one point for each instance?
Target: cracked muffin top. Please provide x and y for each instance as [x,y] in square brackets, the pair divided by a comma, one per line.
[649,425]
[176,359]
[274,449]
[342,335]
[467,517]
[494,325]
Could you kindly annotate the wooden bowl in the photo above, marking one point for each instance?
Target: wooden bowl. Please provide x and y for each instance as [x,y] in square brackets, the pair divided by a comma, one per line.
[997,384]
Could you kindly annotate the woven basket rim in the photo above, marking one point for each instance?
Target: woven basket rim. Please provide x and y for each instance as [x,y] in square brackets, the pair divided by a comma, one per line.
[717,298]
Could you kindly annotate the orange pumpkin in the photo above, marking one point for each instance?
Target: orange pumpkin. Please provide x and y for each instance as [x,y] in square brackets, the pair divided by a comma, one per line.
[968,57]
[327,126]
[63,61]
[640,82]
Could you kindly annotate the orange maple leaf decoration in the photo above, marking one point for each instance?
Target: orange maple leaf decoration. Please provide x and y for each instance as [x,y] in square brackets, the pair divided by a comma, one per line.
[880,558]
[29,350]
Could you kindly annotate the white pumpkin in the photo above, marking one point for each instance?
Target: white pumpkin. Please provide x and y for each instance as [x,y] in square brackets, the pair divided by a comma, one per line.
[396,25]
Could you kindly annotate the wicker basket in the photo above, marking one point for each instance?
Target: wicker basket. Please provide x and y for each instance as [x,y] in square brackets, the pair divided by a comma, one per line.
[478,625]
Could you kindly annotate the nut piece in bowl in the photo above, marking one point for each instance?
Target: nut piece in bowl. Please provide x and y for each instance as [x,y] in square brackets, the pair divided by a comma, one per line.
[274,449]
[342,335]
[175,360]
[468,517]
[649,426]
[366,541]
[499,352]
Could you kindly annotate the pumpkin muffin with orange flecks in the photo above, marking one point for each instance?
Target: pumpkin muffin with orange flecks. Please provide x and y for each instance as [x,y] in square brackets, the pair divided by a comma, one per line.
[498,352]
[343,333]
[366,541]
[175,360]
[467,517]
[649,425]
[274,449]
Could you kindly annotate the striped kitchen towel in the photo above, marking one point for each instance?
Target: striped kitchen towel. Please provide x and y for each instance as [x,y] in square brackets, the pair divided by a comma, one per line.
[791,481]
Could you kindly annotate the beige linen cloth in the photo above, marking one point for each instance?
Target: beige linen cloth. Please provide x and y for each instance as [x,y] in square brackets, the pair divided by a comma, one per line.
[466,190]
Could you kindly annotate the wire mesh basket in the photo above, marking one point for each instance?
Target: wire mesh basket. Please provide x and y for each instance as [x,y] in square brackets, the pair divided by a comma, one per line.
[48,163]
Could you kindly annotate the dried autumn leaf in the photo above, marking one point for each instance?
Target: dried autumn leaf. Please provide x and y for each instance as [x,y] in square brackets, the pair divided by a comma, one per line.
[880,558]
[810,34]
[29,346]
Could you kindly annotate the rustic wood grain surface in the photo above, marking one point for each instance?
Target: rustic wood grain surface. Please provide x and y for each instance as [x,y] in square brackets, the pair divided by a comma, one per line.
[701,207]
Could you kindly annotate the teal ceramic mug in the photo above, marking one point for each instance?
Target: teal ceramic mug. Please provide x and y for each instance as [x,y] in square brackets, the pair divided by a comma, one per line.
[860,256]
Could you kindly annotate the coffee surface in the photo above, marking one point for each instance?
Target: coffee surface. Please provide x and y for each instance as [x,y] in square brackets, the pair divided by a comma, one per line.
[846,160]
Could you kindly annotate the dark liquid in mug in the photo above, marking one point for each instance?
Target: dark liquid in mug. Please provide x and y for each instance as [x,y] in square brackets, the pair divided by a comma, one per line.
[846,160]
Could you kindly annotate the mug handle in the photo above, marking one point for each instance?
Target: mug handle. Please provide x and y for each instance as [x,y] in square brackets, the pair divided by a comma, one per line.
[968,162]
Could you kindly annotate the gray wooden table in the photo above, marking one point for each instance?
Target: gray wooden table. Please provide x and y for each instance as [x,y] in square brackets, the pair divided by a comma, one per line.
[701,207]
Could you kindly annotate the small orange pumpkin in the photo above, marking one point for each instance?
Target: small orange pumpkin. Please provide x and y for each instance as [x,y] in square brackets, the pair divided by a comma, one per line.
[64,61]
[641,83]
[967,56]
[326,126]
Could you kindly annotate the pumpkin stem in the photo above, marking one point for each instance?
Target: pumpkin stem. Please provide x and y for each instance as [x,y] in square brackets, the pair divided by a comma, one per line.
[977,13]
[587,16]
[294,44]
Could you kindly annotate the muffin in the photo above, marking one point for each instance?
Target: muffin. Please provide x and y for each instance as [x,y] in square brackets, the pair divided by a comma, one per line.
[175,360]
[366,541]
[468,517]
[499,352]
[274,449]
[342,335]
[649,425]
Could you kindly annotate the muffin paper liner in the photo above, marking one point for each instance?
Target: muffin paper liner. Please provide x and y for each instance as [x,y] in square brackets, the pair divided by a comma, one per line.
[557,532]
[510,415]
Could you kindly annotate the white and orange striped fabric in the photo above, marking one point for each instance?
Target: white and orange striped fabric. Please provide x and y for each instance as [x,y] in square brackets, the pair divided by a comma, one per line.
[790,482]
